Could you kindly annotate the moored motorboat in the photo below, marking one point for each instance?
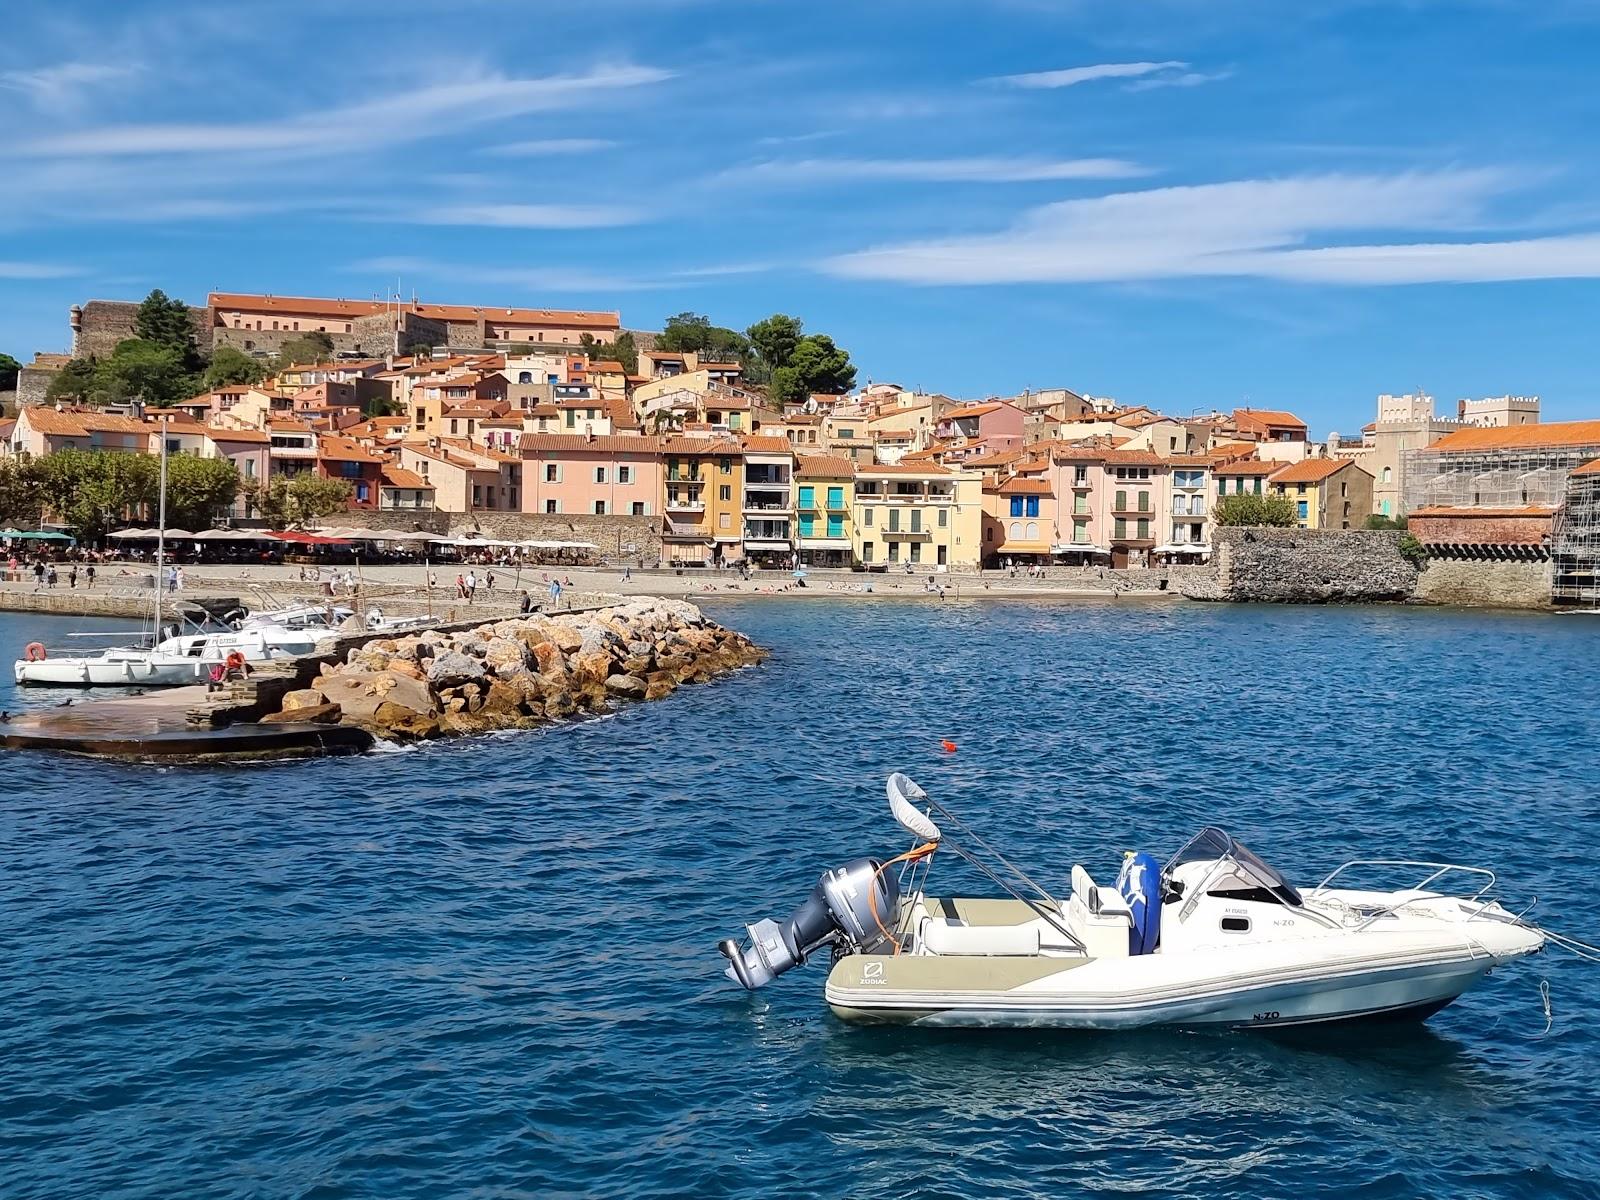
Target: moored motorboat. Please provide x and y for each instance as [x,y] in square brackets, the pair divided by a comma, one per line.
[1214,937]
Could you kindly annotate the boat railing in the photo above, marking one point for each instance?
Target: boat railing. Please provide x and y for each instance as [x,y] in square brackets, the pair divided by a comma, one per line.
[1438,870]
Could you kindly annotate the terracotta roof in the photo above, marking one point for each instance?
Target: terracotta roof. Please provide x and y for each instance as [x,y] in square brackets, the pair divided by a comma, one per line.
[288,425]
[1132,458]
[80,424]
[1451,511]
[1312,470]
[757,444]
[613,443]
[1588,468]
[1191,460]
[401,478]
[1517,437]
[219,434]
[314,306]
[1017,486]
[1263,418]
[823,466]
[342,449]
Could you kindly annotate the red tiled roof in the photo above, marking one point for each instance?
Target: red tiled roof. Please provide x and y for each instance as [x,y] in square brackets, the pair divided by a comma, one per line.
[314,306]
[1467,514]
[1312,470]
[341,449]
[1520,437]
[613,443]
[1247,467]
[401,478]
[823,466]
[1588,468]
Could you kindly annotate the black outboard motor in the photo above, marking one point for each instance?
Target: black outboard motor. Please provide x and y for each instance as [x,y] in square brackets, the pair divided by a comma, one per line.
[840,909]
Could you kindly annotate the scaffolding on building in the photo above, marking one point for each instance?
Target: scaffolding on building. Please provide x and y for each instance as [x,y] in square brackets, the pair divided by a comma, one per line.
[1575,557]
[1502,479]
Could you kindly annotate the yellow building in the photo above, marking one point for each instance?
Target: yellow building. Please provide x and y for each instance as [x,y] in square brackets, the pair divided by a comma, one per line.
[704,501]
[921,515]
[1328,493]
[825,492]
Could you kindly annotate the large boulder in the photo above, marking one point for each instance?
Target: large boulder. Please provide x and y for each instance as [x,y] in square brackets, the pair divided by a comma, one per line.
[317,714]
[591,667]
[626,685]
[503,652]
[304,698]
[453,668]
[360,694]
[398,722]
[502,698]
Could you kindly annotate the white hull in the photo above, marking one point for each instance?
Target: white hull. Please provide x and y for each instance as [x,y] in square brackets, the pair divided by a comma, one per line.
[1422,989]
[109,671]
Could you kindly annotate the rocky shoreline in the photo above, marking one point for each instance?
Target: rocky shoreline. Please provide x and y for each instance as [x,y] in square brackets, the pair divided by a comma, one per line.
[518,673]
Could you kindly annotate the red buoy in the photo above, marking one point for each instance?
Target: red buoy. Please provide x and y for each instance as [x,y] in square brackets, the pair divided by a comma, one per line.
[950,747]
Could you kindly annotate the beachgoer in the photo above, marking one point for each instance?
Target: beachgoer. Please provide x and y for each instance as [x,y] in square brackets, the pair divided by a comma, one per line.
[525,605]
[178,576]
[72,576]
[89,575]
[555,592]
[461,586]
[488,580]
[38,574]
[51,577]
[472,585]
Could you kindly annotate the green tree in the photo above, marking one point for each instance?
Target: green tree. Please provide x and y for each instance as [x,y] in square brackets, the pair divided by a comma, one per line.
[73,383]
[313,347]
[9,367]
[775,339]
[816,365]
[1247,508]
[198,489]
[1379,521]
[693,332]
[231,366]
[167,322]
[92,490]
[624,350]
[285,503]
[147,371]
[19,493]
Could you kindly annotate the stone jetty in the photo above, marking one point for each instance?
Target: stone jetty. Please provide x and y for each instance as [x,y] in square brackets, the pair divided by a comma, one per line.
[518,673]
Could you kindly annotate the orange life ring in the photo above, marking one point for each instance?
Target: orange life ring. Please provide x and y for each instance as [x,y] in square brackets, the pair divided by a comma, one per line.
[235,661]
[34,652]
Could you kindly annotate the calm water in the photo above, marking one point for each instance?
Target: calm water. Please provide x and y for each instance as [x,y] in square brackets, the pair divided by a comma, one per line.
[489,969]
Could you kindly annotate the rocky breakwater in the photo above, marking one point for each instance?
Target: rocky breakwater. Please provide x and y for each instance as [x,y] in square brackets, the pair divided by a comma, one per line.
[519,673]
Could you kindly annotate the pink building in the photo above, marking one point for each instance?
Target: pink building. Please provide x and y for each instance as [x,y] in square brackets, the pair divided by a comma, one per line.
[994,425]
[39,431]
[617,474]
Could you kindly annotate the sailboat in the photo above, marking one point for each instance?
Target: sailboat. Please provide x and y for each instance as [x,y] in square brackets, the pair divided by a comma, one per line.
[173,658]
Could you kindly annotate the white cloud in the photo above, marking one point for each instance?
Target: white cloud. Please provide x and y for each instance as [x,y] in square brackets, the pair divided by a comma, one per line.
[1259,228]
[824,171]
[551,146]
[402,116]
[1183,79]
[1072,76]
[531,216]
[26,270]
[62,86]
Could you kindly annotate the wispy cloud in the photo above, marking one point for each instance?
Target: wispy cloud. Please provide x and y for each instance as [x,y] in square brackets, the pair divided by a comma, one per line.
[550,147]
[531,216]
[1072,76]
[825,171]
[27,270]
[62,86]
[402,116]
[1180,79]
[1248,228]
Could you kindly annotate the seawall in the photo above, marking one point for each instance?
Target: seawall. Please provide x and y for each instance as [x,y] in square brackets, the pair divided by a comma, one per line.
[1304,566]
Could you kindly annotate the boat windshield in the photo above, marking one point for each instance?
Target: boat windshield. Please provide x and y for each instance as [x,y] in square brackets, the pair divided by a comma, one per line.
[1239,875]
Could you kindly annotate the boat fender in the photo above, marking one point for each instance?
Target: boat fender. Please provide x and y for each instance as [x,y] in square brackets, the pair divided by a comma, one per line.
[1140,884]
[34,652]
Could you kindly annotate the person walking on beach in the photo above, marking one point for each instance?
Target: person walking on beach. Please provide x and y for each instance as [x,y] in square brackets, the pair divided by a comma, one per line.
[177,576]
[51,577]
[11,568]
[488,580]
[461,586]
[472,585]
[72,577]
[555,592]
[525,605]
[89,575]
[38,574]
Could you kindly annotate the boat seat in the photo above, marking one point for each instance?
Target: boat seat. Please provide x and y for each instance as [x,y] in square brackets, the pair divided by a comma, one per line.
[1098,900]
[939,936]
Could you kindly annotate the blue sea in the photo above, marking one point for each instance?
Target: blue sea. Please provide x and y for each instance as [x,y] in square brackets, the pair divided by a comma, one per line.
[488,968]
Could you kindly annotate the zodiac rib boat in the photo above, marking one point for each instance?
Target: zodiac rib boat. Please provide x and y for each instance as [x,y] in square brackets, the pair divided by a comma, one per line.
[1215,937]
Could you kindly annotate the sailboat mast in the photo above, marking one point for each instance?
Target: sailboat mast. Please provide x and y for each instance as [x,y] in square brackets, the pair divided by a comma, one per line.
[161,529]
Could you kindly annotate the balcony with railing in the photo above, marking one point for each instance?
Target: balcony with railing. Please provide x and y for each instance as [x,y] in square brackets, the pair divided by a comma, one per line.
[767,533]
[685,529]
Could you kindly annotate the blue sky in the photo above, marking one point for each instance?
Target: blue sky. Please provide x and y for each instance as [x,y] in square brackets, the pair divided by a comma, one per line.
[1182,203]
